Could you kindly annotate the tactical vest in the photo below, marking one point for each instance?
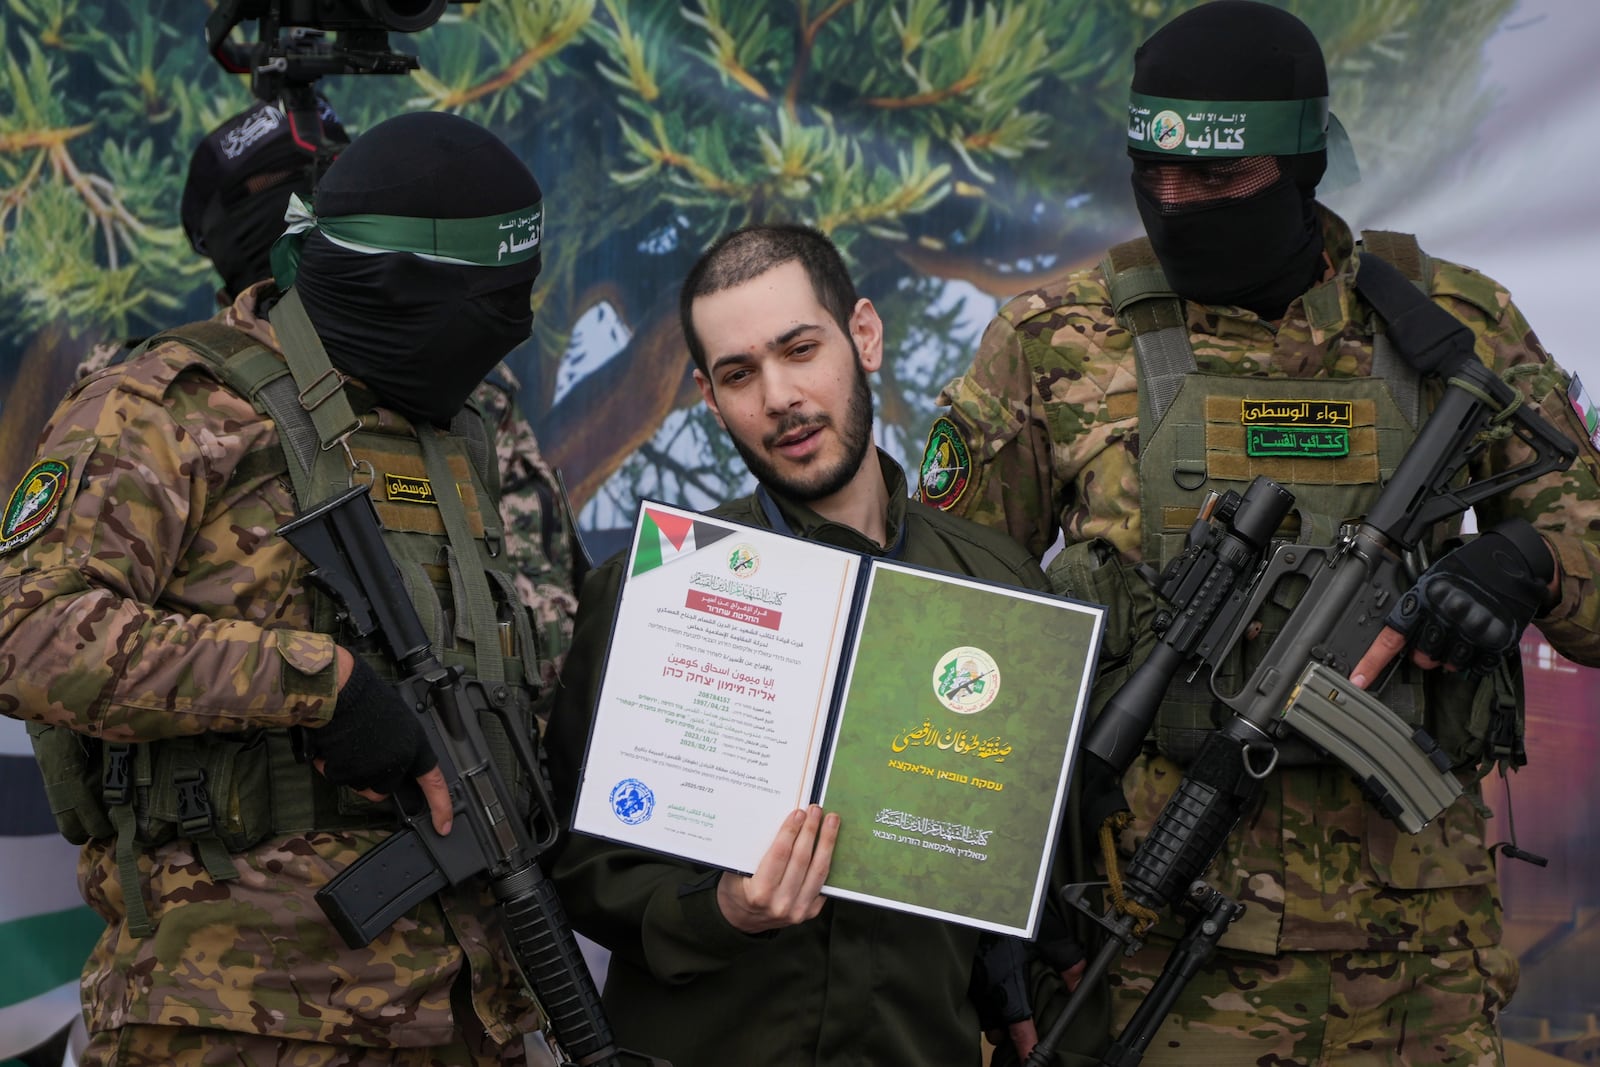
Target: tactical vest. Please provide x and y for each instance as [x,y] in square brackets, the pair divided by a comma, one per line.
[436,494]
[1332,442]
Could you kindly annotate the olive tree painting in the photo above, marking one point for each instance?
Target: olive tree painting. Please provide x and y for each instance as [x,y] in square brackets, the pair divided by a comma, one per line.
[956,152]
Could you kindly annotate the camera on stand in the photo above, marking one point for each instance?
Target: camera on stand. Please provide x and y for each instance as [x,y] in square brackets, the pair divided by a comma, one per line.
[293,48]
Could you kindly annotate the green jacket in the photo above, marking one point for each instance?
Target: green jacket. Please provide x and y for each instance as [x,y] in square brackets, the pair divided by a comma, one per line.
[857,985]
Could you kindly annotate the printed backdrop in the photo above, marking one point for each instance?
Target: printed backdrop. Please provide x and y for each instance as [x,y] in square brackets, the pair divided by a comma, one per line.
[956,151]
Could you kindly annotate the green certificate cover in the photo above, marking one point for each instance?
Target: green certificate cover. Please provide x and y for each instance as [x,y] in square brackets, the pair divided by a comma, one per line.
[961,712]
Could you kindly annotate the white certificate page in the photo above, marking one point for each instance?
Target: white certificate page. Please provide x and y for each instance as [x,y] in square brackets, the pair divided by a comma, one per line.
[718,680]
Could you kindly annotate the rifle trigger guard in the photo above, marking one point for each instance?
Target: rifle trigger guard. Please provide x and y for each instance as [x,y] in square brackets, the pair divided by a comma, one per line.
[1250,768]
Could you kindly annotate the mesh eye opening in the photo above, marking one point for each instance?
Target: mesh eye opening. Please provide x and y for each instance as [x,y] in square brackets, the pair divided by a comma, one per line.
[1190,185]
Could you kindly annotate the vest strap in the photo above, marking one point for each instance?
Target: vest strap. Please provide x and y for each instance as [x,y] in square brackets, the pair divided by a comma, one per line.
[478,606]
[1147,308]
[126,855]
[120,779]
[321,387]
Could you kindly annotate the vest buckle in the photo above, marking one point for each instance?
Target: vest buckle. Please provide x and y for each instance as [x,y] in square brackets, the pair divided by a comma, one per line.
[114,783]
[194,806]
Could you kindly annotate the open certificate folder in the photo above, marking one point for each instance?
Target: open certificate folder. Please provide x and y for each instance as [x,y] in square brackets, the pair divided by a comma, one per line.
[750,673]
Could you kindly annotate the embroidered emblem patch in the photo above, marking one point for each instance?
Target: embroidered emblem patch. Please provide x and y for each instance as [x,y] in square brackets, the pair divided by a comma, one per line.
[34,504]
[404,487]
[1587,412]
[1295,441]
[946,465]
[1295,412]
[1315,429]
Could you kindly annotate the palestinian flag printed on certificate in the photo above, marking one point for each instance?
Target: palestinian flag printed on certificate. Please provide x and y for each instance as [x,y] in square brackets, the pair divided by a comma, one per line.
[665,536]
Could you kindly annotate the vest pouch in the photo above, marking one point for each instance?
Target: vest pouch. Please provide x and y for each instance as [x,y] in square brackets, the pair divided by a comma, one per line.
[240,789]
[1450,851]
[211,786]
[1093,571]
[1478,721]
[69,762]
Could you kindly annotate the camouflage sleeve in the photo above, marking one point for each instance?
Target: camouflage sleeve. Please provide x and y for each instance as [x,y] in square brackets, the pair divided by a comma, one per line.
[656,913]
[1045,420]
[538,532]
[988,454]
[94,536]
[1564,506]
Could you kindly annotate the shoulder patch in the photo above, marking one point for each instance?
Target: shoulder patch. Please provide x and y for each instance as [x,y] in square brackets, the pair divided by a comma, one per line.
[946,465]
[33,505]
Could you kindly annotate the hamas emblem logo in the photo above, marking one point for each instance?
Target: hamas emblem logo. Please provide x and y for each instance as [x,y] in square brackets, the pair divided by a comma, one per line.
[33,504]
[1166,130]
[966,680]
[946,465]
[744,561]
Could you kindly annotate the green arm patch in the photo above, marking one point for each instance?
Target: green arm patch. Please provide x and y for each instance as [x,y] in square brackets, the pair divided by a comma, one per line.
[34,504]
[946,465]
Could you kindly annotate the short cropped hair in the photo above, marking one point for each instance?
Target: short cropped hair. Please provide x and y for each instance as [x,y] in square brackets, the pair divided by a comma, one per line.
[749,253]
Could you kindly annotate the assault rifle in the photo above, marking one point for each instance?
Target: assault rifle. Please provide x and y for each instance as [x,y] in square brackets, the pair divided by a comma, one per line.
[1217,588]
[490,837]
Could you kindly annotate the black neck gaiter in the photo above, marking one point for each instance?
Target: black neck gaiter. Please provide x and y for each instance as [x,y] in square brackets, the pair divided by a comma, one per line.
[1258,252]
[420,334]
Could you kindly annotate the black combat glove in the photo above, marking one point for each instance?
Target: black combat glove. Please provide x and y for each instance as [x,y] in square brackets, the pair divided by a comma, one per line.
[373,740]
[999,982]
[1470,608]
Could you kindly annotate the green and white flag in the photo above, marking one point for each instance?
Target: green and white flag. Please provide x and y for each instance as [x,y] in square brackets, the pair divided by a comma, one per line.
[45,930]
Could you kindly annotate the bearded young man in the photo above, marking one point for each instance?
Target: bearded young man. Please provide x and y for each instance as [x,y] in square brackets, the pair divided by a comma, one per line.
[710,967]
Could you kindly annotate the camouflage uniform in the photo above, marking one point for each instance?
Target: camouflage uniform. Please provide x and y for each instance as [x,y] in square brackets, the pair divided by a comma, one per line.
[538,529]
[540,540]
[157,604]
[1369,945]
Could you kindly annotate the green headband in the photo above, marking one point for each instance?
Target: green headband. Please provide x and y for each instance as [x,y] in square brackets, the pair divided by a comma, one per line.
[486,241]
[1226,129]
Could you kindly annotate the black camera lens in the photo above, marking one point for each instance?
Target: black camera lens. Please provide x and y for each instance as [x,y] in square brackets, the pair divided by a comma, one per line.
[404,16]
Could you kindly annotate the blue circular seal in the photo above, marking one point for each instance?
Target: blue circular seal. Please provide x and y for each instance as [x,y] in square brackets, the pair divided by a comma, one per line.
[632,801]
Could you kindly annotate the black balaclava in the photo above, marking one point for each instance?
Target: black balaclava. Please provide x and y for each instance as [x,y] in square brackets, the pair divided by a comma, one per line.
[421,328]
[1261,249]
[239,181]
